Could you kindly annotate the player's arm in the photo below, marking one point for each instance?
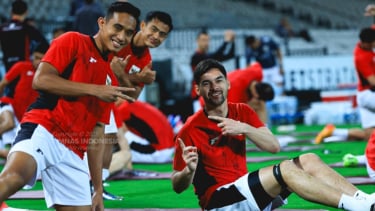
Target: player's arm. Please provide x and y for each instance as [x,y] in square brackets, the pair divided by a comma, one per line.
[227,49]
[181,180]
[95,154]
[262,137]
[47,79]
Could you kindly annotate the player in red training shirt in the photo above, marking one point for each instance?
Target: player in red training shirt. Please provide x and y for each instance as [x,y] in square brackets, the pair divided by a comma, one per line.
[137,72]
[364,61]
[246,86]
[22,96]
[74,80]
[211,154]
[148,132]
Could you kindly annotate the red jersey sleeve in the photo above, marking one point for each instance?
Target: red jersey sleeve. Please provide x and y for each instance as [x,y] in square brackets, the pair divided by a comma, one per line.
[246,114]
[14,72]
[63,50]
[178,162]
[365,65]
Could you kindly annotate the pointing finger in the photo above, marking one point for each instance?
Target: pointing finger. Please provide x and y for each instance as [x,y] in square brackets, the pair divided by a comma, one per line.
[181,142]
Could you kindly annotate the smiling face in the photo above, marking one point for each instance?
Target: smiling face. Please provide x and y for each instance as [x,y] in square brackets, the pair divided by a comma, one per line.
[154,32]
[116,32]
[213,87]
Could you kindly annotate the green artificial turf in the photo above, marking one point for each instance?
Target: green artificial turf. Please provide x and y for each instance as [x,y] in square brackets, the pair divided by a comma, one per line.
[159,193]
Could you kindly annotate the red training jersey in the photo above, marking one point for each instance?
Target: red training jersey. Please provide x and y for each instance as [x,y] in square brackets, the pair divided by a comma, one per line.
[24,95]
[72,119]
[222,159]
[240,81]
[148,122]
[137,61]
[364,61]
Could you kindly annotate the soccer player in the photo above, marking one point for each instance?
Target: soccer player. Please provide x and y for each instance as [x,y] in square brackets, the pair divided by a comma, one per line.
[365,67]
[211,155]
[67,119]
[154,29]
[14,104]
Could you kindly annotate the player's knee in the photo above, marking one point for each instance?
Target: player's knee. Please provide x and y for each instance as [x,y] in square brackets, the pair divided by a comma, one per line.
[280,172]
[12,179]
[309,159]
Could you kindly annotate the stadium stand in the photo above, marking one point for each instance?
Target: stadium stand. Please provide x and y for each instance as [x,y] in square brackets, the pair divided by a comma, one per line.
[334,29]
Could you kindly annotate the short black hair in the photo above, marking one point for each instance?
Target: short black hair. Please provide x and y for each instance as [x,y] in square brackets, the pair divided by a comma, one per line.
[162,16]
[202,31]
[19,7]
[249,40]
[367,35]
[204,66]
[120,6]
[265,91]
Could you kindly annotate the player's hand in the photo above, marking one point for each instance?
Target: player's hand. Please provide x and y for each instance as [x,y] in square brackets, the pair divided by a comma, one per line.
[112,93]
[118,65]
[97,202]
[190,155]
[147,75]
[370,10]
[229,36]
[229,126]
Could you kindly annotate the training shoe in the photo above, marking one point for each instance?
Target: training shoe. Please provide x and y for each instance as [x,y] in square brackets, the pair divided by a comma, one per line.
[326,132]
[349,160]
[110,196]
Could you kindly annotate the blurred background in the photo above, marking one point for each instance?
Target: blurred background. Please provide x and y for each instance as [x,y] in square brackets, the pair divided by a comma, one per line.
[319,70]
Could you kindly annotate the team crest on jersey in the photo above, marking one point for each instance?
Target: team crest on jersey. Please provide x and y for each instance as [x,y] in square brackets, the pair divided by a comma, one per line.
[92,60]
[30,73]
[108,81]
[134,69]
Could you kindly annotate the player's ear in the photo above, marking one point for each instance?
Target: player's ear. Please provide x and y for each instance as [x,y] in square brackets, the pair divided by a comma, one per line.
[196,88]
[101,22]
[142,25]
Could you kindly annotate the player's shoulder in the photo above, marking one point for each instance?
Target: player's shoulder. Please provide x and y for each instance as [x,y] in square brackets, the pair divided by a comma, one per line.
[73,36]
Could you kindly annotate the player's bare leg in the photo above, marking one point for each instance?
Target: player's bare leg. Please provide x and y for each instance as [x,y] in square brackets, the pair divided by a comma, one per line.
[18,170]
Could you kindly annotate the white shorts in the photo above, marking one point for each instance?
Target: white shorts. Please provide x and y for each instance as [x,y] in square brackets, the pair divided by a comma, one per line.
[366,107]
[159,156]
[241,186]
[112,126]
[64,174]
[8,136]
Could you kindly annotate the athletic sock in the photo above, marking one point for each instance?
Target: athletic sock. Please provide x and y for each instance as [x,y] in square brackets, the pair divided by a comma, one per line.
[360,195]
[361,159]
[342,132]
[352,203]
[105,174]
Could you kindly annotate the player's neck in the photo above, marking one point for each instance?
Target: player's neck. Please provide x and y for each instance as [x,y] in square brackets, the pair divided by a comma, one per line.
[19,18]
[366,46]
[221,110]
[137,41]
